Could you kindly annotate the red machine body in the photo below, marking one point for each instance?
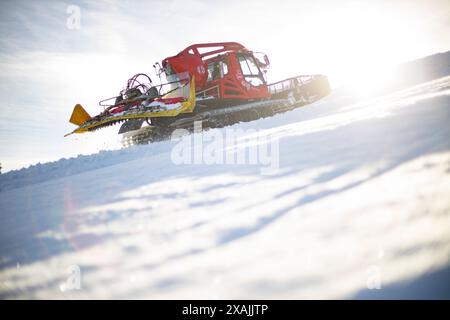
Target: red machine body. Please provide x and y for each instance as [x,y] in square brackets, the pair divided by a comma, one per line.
[222,70]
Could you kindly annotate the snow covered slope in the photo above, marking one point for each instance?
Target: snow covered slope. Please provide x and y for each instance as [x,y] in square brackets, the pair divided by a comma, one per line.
[358,208]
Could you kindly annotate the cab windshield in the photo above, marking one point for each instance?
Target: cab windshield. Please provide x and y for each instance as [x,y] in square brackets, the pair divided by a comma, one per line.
[250,70]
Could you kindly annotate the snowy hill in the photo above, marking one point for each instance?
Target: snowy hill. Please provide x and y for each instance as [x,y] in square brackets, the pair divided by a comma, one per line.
[350,201]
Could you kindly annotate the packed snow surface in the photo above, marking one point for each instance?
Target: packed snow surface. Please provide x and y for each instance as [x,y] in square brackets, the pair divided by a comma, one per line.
[357,207]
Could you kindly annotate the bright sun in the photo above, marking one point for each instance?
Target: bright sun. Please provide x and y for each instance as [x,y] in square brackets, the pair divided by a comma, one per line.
[358,43]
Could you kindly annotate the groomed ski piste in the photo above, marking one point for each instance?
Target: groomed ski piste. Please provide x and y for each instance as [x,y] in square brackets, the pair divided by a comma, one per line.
[351,200]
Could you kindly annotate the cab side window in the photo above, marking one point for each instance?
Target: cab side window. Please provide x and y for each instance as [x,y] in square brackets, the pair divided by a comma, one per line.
[217,70]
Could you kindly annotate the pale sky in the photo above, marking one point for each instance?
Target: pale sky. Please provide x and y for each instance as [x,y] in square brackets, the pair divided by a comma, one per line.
[47,66]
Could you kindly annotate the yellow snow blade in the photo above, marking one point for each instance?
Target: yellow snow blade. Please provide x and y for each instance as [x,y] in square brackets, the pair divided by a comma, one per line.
[189,105]
[186,106]
[79,115]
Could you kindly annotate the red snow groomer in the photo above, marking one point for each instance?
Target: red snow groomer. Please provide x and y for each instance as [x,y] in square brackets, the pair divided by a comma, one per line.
[217,83]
